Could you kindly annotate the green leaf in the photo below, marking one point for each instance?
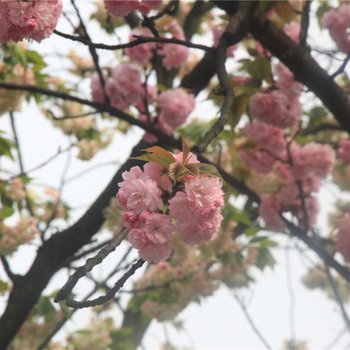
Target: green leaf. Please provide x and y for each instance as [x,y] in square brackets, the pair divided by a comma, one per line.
[35,58]
[6,146]
[263,242]
[4,287]
[45,307]
[5,212]
[260,68]
[164,162]
[265,259]
[252,230]
[238,108]
[239,216]
[208,169]
[322,9]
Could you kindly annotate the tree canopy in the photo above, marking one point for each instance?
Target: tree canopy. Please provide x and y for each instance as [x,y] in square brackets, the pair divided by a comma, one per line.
[237,116]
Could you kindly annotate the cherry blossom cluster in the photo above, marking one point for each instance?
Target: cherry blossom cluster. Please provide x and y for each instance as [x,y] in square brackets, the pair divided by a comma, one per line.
[337,21]
[11,100]
[280,107]
[16,190]
[192,281]
[124,88]
[343,151]
[297,173]
[266,144]
[343,237]
[173,55]
[297,170]
[162,200]
[34,19]
[193,272]
[12,237]
[125,7]
[299,179]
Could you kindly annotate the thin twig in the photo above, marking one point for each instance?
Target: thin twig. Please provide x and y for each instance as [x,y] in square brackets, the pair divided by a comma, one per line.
[89,169]
[84,34]
[235,30]
[60,324]
[305,20]
[140,40]
[291,296]
[250,321]
[333,343]
[342,67]
[20,161]
[77,116]
[45,162]
[110,293]
[89,265]
[337,297]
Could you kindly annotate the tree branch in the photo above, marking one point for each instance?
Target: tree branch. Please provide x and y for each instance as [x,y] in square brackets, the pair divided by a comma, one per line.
[140,40]
[236,29]
[67,289]
[52,255]
[304,68]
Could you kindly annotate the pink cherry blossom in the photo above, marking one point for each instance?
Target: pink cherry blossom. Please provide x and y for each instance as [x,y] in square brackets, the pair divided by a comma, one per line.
[289,193]
[174,55]
[148,5]
[269,210]
[201,228]
[153,239]
[138,192]
[124,87]
[313,158]
[274,108]
[179,206]
[141,54]
[337,21]
[121,7]
[160,124]
[270,146]
[191,158]
[343,151]
[143,194]
[286,82]
[312,210]
[175,106]
[28,20]
[269,137]
[196,210]
[133,219]
[96,89]
[158,174]
[158,228]
[204,193]
[343,237]
[257,159]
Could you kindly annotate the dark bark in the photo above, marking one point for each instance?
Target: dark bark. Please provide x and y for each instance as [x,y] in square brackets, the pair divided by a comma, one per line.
[305,69]
[52,255]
